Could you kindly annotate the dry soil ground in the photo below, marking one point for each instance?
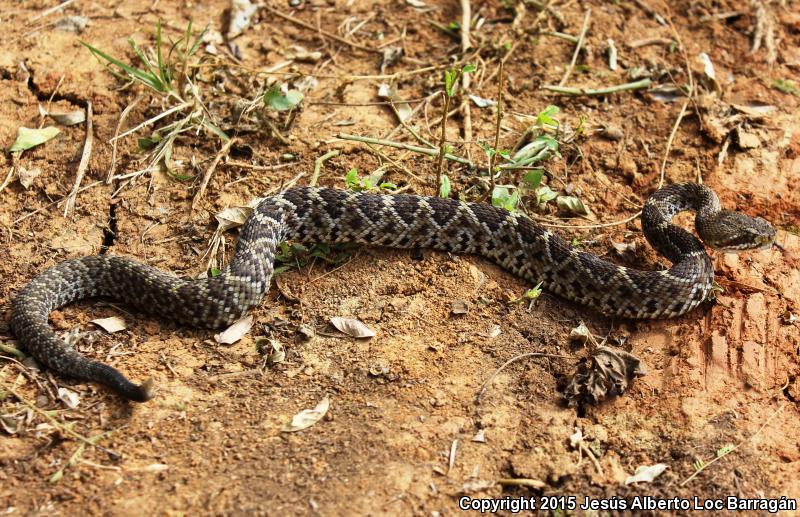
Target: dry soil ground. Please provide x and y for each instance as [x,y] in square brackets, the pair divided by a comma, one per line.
[403,432]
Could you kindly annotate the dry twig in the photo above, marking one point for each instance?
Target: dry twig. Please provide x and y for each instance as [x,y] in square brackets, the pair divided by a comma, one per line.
[581,38]
[84,163]
[210,171]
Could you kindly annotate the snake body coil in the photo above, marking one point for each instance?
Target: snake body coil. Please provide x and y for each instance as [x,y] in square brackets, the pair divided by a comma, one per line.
[305,214]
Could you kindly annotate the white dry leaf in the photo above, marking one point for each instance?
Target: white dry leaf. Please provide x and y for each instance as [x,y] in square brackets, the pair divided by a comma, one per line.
[235,332]
[308,417]
[272,350]
[481,102]
[459,307]
[576,438]
[233,217]
[755,110]
[298,53]
[241,13]
[305,84]
[416,3]
[646,473]
[26,176]
[72,118]
[403,109]
[580,333]
[75,24]
[111,325]
[708,69]
[352,327]
[480,436]
[69,398]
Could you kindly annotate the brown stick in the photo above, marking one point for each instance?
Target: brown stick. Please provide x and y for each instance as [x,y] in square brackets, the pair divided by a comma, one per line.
[84,163]
[211,168]
[327,34]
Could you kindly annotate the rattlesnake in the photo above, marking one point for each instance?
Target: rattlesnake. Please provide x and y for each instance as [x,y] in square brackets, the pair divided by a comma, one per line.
[306,214]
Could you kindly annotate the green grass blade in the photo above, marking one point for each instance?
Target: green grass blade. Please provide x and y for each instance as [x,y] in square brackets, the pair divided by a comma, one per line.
[163,71]
[135,73]
[216,130]
[197,41]
[146,62]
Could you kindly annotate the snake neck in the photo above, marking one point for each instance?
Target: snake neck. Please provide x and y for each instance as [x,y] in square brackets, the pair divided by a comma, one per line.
[672,241]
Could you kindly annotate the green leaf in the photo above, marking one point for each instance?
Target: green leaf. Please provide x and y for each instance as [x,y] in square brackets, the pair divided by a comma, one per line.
[28,138]
[444,189]
[532,294]
[216,130]
[449,80]
[149,80]
[533,178]
[351,179]
[147,143]
[503,197]
[545,117]
[469,68]
[545,194]
[786,86]
[725,449]
[279,101]
[215,272]
[571,204]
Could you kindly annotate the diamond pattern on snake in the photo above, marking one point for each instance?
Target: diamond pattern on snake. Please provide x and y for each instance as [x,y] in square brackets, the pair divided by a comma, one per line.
[307,214]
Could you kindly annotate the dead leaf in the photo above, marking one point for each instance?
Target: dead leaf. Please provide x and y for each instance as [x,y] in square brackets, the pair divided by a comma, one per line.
[391,55]
[607,372]
[306,332]
[73,118]
[235,332]
[480,436]
[308,417]
[272,351]
[75,24]
[240,14]
[481,102]
[69,398]
[580,333]
[576,438]
[459,307]
[646,473]
[571,204]
[26,176]
[352,327]
[111,325]
[402,108]
[708,70]
[233,217]
[298,53]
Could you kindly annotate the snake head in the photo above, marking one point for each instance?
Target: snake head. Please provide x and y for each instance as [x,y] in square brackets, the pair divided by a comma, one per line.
[730,231]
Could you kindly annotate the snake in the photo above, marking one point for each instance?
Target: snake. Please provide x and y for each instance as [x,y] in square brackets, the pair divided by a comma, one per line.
[512,240]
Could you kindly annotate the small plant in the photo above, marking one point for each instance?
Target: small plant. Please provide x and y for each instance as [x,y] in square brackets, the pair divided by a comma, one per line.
[172,76]
[279,101]
[353,181]
[530,296]
[295,255]
[786,86]
[451,78]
